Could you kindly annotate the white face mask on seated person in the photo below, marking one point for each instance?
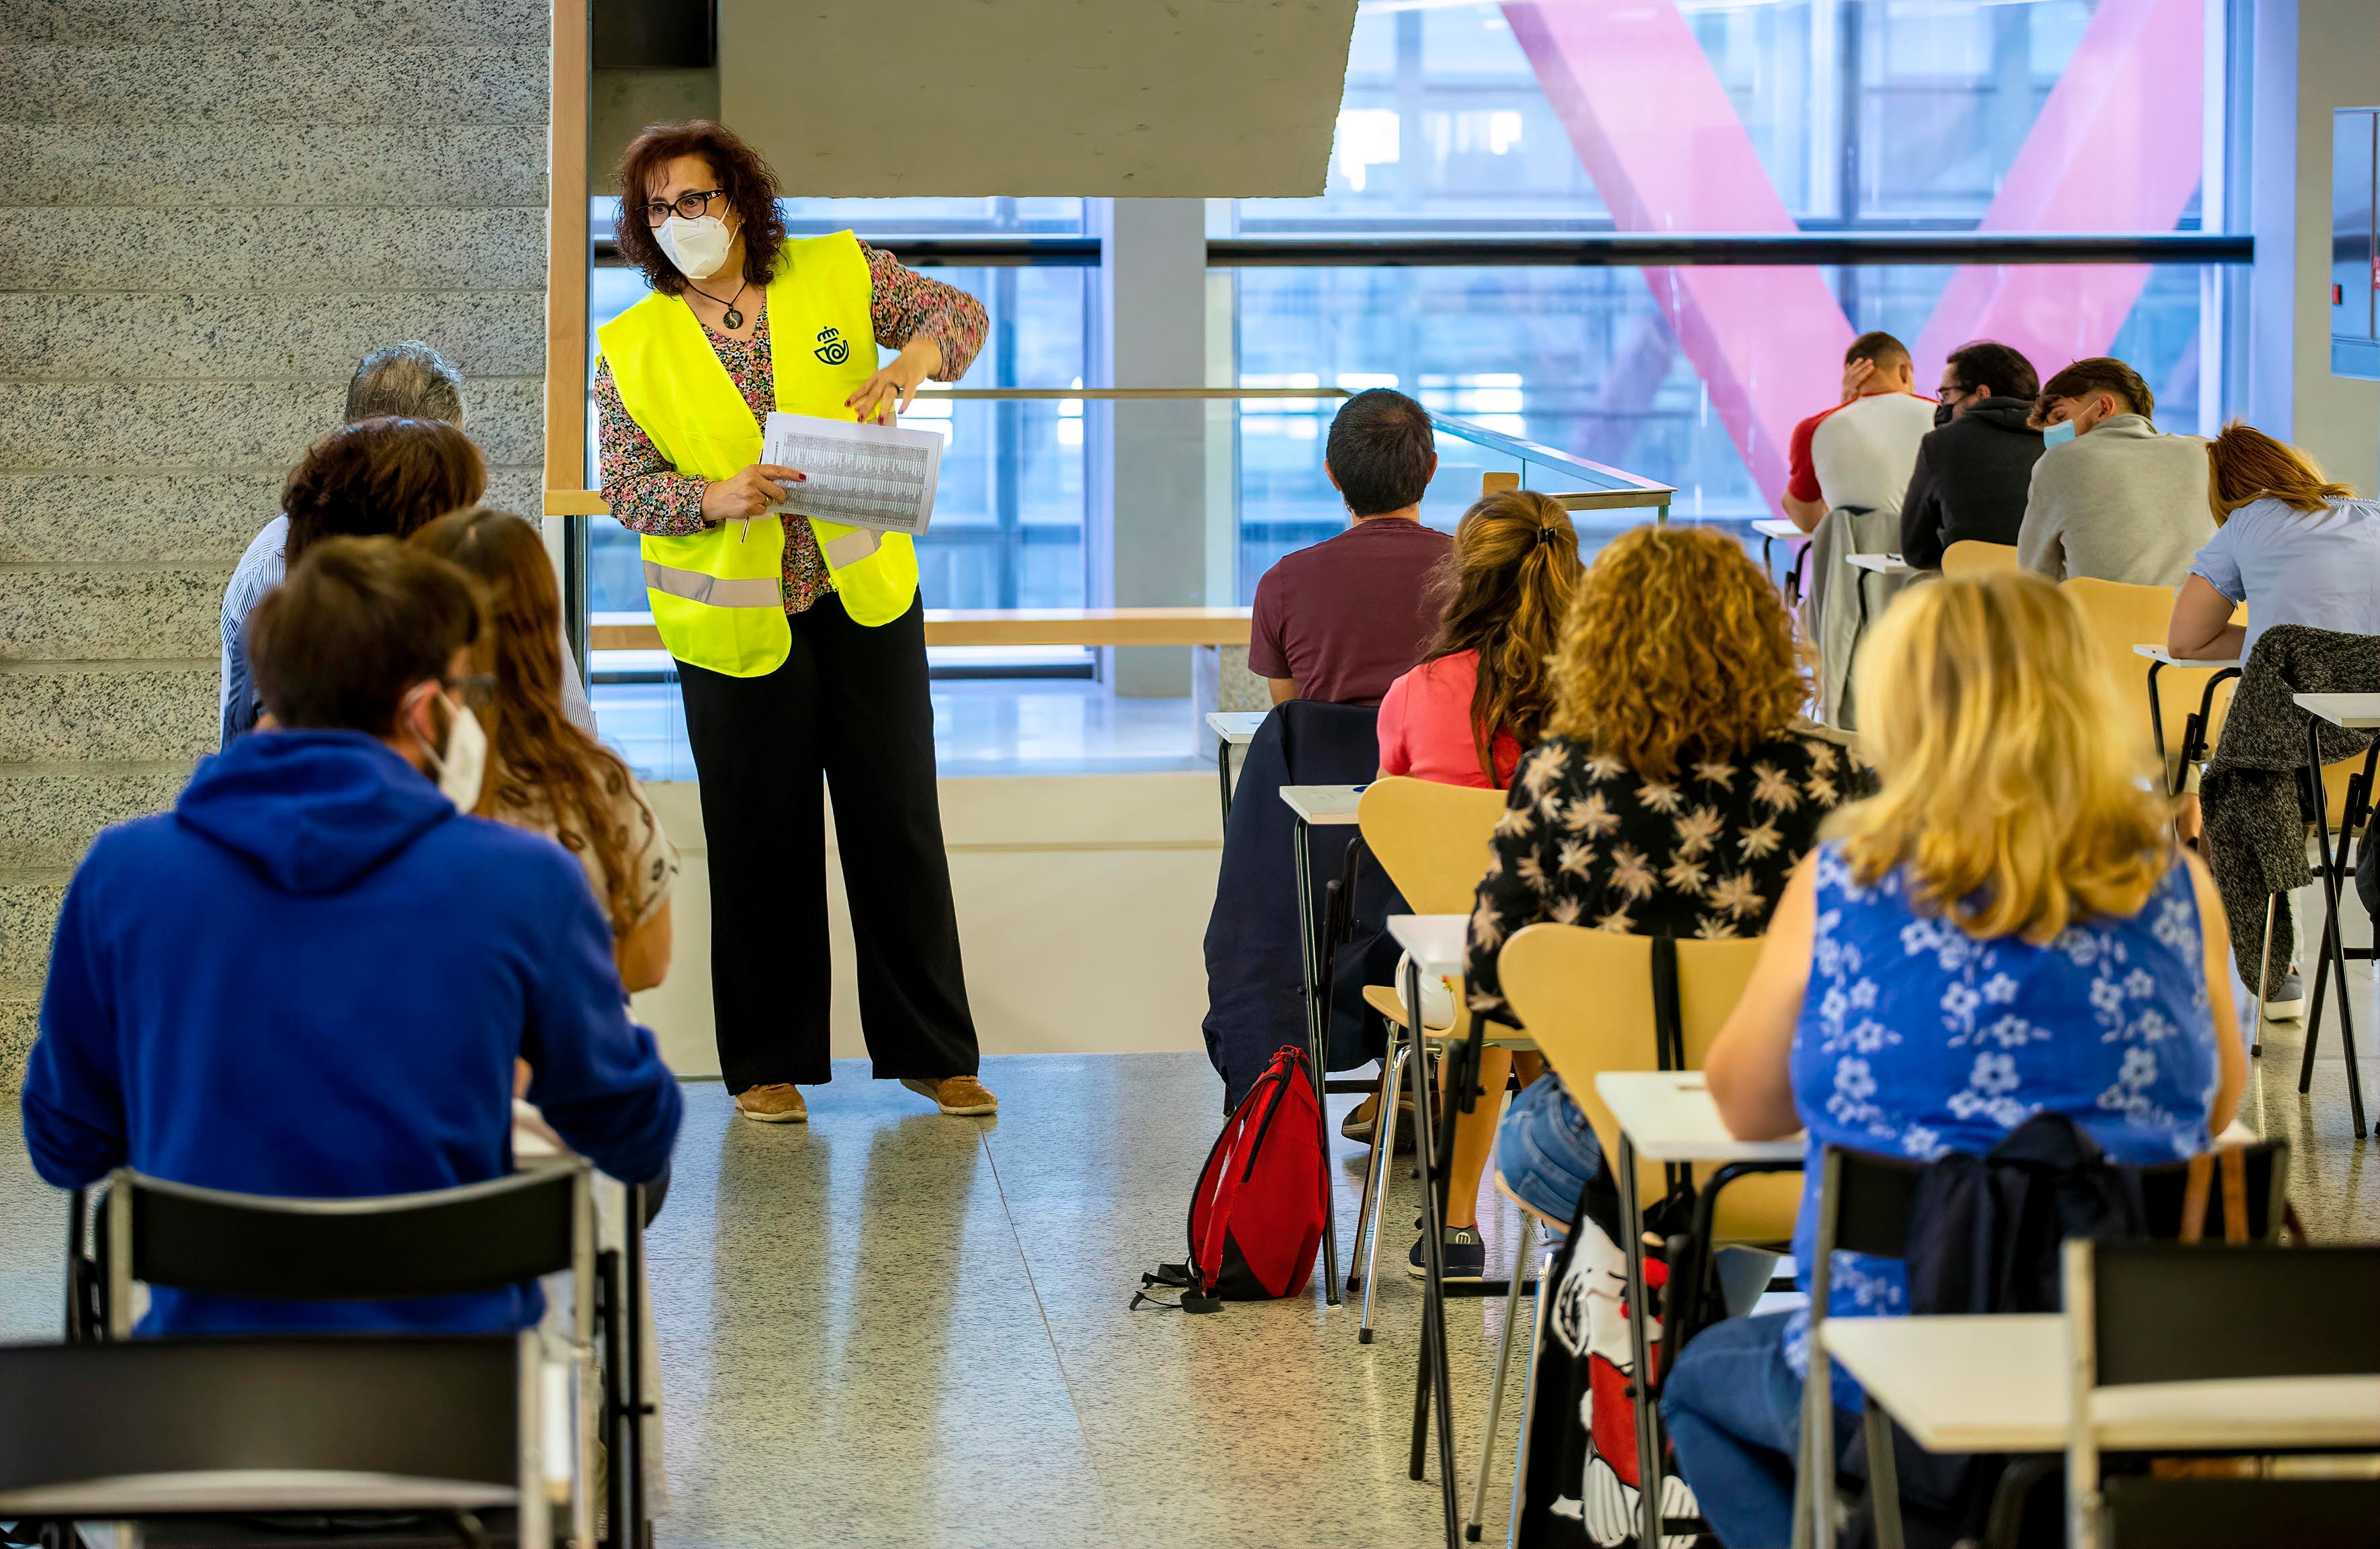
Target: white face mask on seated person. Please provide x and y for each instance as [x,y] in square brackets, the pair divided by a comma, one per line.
[459,758]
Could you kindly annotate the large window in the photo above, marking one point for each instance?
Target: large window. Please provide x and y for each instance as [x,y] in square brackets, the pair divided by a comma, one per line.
[1957,121]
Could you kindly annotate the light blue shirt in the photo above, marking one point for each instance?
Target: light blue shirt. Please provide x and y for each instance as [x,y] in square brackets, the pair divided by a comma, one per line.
[260,570]
[2320,568]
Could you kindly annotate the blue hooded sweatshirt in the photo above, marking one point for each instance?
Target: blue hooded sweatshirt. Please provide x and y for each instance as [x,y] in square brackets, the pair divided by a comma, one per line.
[311,978]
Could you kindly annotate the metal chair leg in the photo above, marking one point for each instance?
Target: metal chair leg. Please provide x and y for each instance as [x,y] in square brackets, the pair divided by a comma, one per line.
[2264,976]
[1496,1389]
[1529,1397]
[1883,1477]
[1371,1164]
[1377,1184]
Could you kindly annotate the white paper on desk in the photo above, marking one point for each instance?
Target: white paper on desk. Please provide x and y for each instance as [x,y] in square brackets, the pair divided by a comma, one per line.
[863,476]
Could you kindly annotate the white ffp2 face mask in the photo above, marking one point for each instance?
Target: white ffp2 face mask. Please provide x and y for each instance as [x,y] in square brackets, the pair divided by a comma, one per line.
[698,247]
[462,766]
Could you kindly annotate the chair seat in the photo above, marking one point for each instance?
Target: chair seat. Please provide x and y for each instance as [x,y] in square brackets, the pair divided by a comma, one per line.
[1389,1004]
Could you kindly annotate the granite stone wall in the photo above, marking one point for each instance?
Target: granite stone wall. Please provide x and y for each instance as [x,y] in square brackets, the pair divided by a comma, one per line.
[208,211]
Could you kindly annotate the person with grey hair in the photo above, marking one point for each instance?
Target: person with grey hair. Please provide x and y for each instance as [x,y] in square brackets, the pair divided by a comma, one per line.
[408,381]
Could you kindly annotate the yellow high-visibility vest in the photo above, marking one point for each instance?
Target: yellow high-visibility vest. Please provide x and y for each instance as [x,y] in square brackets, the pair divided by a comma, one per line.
[718,596]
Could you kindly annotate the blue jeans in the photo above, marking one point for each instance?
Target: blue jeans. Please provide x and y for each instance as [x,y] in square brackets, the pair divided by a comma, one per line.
[1545,1150]
[1733,1408]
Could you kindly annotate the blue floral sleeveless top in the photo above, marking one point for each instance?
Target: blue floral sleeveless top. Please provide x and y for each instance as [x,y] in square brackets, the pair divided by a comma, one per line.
[1916,1039]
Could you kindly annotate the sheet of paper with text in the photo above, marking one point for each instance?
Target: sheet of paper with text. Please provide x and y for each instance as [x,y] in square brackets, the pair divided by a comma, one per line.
[864,476]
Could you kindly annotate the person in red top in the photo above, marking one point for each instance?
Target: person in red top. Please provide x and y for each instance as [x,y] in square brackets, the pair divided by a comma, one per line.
[1860,452]
[1339,621]
[1463,717]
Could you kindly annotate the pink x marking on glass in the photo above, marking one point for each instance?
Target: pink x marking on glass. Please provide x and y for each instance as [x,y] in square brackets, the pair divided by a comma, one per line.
[2115,147]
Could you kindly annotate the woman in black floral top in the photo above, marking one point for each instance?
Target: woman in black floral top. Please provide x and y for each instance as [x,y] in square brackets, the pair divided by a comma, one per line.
[1673,795]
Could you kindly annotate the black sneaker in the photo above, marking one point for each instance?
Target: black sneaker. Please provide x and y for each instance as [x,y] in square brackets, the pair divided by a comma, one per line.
[1460,1251]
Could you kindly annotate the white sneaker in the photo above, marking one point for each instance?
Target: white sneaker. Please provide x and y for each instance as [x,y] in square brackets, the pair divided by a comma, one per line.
[2287,1003]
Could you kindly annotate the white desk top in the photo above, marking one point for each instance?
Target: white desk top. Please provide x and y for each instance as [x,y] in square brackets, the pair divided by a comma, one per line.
[1668,1116]
[2357,712]
[1777,526]
[2000,1384]
[1435,941]
[1235,727]
[1323,805]
[1883,565]
[2159,653]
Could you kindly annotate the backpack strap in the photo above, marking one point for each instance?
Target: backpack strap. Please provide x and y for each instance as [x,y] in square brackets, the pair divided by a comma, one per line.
[1668,1021]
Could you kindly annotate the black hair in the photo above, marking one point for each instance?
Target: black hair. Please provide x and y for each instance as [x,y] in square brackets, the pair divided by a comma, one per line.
[1988,363]
[1381,451]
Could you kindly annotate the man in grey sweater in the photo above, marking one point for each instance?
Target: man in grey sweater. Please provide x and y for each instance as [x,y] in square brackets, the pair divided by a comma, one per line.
[2111,497]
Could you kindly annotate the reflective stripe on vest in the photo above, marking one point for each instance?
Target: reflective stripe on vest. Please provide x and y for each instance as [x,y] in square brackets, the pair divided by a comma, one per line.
[706,589]
[719,591]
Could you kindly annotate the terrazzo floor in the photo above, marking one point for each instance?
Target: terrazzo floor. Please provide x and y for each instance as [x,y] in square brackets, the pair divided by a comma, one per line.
[890,1328]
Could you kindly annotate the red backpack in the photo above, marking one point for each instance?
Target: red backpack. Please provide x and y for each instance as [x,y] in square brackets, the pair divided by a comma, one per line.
[1256,1221]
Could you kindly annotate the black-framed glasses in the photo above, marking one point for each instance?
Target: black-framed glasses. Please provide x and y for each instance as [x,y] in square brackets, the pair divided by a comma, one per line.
[692,205]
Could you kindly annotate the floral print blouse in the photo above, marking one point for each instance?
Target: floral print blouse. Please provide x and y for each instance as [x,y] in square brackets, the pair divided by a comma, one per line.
[1916,1039]
[647,495]
[1587,840]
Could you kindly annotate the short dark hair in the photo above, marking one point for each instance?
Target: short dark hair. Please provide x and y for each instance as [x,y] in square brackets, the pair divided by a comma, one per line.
[1878,346]
[749,182]
[358,622]
[2102,373]
[383,477]
[410,380]
[1381,451]
[1988,363]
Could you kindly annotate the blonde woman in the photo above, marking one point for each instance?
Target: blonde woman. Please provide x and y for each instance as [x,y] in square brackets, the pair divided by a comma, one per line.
[2006,929]
[1673,794]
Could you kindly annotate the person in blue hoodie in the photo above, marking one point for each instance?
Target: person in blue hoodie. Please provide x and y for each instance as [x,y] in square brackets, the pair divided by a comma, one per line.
[313,977]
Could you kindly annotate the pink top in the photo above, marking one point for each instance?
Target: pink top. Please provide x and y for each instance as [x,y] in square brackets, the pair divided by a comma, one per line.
[1425,727]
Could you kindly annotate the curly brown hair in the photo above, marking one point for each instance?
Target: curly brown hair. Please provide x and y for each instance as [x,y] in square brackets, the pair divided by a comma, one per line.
[1677,648]
[750,183]
[379,479]
[542,763]
[1507,583]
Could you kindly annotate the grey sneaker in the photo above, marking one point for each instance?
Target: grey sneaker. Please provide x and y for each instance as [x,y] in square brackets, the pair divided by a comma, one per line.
[2286,1003]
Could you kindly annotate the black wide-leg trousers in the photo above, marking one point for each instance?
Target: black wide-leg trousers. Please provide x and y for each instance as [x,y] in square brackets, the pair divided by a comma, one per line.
[850,703]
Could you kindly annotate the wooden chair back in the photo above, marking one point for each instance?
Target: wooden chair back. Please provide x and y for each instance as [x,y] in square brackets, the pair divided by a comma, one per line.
[1971,557]
[1431,838]
[1586,997]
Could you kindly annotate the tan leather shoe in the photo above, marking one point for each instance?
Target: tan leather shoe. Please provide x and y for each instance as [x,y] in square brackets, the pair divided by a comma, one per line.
[963,1096]
[775,1104]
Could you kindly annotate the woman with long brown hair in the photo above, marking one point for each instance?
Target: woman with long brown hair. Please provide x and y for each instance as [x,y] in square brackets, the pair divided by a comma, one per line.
[1480,695]
[2294,546]
[543,772]
[1463,717]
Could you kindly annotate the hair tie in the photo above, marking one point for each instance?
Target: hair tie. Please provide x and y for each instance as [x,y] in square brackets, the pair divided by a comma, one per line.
[1544,534]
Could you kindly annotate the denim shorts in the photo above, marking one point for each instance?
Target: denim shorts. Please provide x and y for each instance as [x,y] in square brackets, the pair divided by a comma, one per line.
[1545,1150]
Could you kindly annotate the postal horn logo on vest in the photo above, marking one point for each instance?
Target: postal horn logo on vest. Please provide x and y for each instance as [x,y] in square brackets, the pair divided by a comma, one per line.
[832,347]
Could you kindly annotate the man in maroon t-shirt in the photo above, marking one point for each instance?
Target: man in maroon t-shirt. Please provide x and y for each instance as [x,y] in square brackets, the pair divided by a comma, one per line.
[1342,621]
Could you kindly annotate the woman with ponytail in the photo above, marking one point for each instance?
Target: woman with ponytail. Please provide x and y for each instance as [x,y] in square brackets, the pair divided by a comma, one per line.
[1465,715]
[1479,700]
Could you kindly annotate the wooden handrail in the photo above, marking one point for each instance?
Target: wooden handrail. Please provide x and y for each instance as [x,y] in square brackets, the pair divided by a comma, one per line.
[1023,626]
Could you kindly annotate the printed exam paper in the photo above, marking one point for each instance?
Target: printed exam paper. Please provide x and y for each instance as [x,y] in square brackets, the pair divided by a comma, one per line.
[863,476]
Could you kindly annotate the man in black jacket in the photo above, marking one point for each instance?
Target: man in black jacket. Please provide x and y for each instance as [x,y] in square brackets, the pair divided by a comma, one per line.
[1974,472]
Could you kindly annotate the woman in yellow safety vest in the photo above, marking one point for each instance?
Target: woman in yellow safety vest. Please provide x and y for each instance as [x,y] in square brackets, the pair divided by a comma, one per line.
[800,644]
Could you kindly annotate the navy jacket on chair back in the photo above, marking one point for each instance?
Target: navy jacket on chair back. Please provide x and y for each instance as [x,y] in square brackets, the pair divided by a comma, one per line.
[1254,995]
